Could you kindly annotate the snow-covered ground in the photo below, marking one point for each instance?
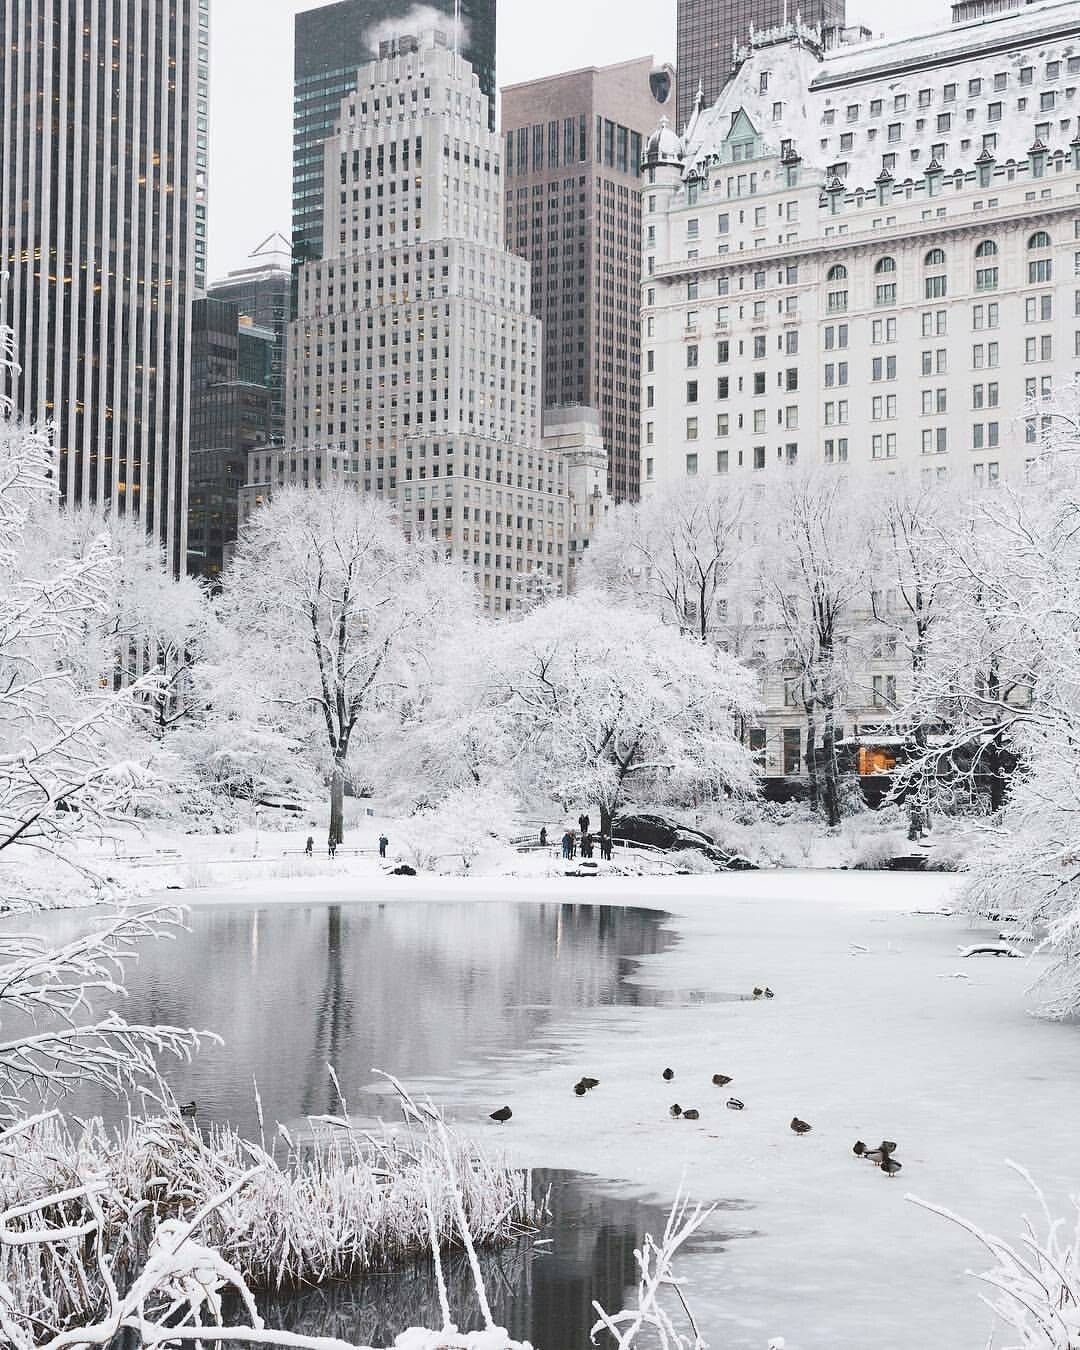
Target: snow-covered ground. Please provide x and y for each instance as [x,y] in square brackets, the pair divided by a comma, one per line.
[869,1036]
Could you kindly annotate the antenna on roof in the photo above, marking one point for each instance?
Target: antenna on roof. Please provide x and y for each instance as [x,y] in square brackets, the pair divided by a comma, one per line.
[457,39]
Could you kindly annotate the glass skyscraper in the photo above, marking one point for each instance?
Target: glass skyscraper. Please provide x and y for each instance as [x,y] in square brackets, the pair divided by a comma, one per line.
[332,43]
[103,128]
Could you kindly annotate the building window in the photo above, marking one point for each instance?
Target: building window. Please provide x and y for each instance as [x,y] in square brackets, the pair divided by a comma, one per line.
[691,465]
[691,428]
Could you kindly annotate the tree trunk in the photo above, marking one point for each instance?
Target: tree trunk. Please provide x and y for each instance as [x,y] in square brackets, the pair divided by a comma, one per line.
[337,803]
[830,785]
[606,821]
[811,759]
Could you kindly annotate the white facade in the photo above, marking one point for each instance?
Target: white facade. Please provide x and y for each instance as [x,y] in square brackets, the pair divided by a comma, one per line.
[865,259]
[413,364]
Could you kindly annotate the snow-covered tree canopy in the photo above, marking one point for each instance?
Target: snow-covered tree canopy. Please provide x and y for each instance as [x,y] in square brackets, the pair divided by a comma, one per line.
[336,607]
[608,703]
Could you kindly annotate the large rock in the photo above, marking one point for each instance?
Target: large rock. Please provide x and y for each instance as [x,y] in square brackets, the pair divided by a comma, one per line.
[658,832]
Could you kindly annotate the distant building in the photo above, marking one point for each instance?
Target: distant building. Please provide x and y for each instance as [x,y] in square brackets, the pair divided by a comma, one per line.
[572,161]
[231,413]
[103,230]
[262,293]
[332,42]
[413,371]
[709,34]
[863,260]
[574,435]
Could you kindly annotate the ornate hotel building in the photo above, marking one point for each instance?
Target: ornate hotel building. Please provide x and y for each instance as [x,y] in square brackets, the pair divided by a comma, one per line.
[103,155]
[414,359]
[861,259]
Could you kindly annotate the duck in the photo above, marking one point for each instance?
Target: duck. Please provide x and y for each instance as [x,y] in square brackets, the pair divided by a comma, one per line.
[189,1109]
[733,1104]
[676,1111]
[692,1114]
[590,1083]
[890,1166]
[769,993]
[722,1079]
[758,991]
[879,1155]
[858,1148]
[502,1115]
[800,1126]
[580,1088]
[668,1075]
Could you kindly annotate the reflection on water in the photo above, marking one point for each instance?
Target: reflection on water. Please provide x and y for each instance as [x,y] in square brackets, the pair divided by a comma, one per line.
[541,1292]
[420,989]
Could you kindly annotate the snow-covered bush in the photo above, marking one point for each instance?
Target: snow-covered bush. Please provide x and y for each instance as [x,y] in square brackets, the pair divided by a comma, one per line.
[875,851]
[1035,1284]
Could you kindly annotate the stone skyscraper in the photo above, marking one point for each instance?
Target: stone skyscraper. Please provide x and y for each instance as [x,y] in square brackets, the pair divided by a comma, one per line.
[572,148]
[709,31]
[103,130]
[332,43]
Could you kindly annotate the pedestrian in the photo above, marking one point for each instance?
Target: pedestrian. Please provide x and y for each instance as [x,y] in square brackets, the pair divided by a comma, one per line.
[573,844]
[605,847]
[383,843]
[331,846]
[583,821]
[566,844]
[586,845]
[543,836]
[309,846]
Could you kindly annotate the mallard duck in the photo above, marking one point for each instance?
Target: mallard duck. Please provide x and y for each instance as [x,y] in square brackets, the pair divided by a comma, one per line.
[692,1114]
[769,993]
[858,1148]
[722,1079]
[580,1088]
[189,1109]
[733,1104]
[800,1126]
[890,1166]
[502,1115]
[590,1083]
[758,991]
[668,1075]
[676,1111]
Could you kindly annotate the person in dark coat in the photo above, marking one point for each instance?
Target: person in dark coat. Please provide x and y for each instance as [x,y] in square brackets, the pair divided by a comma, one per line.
[586,845]
[605,847]
[331,846]
[583,821]
[309,846]
[543,836]
[573,844]
[566,844]
[383,842]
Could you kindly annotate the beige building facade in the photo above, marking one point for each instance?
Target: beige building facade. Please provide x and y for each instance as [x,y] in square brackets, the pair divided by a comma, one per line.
[413,362]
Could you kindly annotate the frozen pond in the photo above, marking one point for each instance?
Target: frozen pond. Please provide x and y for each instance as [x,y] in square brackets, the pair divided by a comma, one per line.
[870,1035]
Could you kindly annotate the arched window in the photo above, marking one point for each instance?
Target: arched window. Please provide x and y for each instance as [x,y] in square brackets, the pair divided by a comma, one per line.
[935,258]
[1040,239]
[837,273]
[987,249]
[885,265]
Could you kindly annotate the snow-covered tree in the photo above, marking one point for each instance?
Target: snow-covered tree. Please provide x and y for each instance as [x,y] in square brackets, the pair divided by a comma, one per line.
[815,575]
[65,742]
[676,553]
[333,604]
[608,703]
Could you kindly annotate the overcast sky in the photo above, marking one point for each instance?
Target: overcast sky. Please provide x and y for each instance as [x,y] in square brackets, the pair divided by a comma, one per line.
[251,86]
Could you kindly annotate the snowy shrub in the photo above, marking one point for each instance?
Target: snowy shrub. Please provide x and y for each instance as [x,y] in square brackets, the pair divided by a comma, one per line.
[1035,1285]
[953,853]
[876,851]
[350,1201]
[690,860]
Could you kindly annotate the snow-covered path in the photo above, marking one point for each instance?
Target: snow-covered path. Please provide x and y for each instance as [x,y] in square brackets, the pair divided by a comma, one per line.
[861,1043]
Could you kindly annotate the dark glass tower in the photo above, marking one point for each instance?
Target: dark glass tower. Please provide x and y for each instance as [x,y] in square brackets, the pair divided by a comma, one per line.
[708,32]
[103,127]
[332,43]
[231,372]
